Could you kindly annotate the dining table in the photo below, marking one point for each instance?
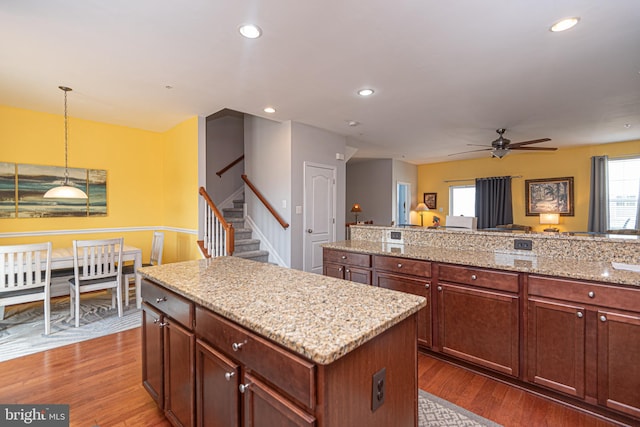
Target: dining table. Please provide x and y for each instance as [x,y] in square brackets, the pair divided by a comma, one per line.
[62,258]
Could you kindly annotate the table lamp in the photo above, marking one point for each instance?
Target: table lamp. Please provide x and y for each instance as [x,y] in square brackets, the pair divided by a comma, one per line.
[356,209]
[552,219]
[421,209]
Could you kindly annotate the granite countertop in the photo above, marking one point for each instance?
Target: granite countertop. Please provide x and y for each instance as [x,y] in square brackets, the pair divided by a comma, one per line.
[600,271]
[318,317]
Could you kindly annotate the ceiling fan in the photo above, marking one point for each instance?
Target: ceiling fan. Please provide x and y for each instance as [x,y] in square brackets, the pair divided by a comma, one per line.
[501,146]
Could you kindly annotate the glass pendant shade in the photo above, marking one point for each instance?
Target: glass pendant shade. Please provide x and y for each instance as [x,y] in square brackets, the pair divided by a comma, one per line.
[66,190]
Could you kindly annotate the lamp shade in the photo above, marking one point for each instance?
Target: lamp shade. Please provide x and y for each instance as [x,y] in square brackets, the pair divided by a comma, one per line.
[65,191]
[549,218]
[356,208]
[421,207]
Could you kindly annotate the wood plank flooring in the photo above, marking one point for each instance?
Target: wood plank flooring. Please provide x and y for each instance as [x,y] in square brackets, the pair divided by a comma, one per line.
[100,380]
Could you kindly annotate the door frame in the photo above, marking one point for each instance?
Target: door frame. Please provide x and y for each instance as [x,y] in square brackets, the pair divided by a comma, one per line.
[305,239]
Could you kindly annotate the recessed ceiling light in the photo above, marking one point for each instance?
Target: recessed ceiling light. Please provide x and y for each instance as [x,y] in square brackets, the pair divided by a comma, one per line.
[352,123]
[250,31]
[269,110]
[627,125]
[564,24]
[365,92]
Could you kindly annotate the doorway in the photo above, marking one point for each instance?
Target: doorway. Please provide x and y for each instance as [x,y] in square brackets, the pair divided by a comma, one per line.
[403,205]
[319,213]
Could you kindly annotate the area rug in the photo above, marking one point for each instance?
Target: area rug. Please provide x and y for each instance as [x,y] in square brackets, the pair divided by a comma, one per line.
[22,330]
[434,411]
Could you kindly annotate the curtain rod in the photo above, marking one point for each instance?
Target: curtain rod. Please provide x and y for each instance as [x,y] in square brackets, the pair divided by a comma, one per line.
[473,179]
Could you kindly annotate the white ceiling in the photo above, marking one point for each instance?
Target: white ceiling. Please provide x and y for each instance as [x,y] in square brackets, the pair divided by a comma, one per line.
[446,73]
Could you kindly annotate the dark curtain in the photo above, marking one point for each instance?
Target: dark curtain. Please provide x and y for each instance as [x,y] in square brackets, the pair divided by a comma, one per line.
[493,201]
[599,195]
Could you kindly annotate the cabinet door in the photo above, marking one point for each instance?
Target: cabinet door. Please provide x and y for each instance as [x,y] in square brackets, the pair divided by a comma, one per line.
[333,270]
[556,350]
[152,349]
[480,326]
[359,275]
[217,380]
[179,352]
[619,361]
[416,287]
[264,407]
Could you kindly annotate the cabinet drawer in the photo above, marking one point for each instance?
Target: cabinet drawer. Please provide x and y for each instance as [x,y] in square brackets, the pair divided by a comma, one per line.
[585,293]
[402,265]
[499,280]
[171,304]
[292,374]
[344,257]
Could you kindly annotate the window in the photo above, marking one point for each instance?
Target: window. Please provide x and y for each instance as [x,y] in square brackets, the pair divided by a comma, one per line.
[624,190]
[462,200]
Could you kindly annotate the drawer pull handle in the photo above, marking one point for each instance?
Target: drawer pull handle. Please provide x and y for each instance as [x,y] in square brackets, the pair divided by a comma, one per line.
[244,387]
[340,268]
[159,300]
[162,324]
[427,286]
[440,288]
[474,277]
[579,314]
[603,318]
[238,345]
[229,375]
[399,265]
[591,294]
[343,257]
[348,271]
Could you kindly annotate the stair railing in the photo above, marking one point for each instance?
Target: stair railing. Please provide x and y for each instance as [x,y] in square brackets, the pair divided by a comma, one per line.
[219,235]
[264,201]
[229,166]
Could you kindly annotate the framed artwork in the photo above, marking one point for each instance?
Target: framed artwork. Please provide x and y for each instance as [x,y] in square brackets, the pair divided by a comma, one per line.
[550,195]
[430,200]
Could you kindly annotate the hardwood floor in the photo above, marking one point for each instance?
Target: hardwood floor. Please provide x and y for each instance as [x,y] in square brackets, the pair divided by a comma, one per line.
[100,380]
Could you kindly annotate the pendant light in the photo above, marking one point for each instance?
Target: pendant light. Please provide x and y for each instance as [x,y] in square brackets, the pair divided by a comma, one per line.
[66,190]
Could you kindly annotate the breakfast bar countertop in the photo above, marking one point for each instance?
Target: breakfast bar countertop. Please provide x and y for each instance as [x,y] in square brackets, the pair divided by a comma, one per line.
[600,271]
[318,317]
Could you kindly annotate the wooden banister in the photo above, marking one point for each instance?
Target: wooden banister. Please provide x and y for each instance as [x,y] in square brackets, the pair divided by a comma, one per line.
[264,201]
[229,166]
[228,228]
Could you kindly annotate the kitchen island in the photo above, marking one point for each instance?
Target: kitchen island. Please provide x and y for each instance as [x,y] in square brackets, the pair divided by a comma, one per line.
[228,341]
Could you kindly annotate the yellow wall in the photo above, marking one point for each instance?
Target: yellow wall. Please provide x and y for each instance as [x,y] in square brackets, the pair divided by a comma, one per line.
[149,178]
[572,162]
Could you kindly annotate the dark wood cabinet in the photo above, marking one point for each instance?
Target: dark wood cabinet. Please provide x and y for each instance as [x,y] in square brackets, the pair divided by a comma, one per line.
[556,348]
[168,370]
[411,276]
[479,317]
[219,376]
[347,265]
[584,340]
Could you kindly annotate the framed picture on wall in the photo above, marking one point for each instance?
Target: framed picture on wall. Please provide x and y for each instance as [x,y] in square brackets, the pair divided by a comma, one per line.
[430,200]
[549,195]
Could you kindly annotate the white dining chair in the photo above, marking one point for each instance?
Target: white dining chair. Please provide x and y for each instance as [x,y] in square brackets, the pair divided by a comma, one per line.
[97,265]
[129,271]
[25,276]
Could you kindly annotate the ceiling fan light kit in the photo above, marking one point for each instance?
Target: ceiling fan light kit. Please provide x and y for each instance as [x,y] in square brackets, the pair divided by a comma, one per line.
[502,146]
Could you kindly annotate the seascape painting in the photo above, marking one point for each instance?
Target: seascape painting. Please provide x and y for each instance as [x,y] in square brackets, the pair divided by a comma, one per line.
[35,180]
[7,190]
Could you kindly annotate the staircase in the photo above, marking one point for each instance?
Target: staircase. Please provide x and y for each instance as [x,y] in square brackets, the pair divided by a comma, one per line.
[245,245]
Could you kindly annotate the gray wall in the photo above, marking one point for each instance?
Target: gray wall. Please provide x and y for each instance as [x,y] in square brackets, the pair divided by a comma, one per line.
[225,143]
[370,183]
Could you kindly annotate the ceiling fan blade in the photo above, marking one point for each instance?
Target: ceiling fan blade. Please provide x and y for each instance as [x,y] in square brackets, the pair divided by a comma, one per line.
[472,151]
[534,148]
[533,141]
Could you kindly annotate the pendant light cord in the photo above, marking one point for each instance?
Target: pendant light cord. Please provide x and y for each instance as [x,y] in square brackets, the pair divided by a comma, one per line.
[66,137]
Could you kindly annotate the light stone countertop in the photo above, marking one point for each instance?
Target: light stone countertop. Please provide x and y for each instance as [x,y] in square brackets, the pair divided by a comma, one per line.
[600,271]
[318,317]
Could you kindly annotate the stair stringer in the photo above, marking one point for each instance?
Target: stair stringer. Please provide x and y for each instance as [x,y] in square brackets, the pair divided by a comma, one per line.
[274,258]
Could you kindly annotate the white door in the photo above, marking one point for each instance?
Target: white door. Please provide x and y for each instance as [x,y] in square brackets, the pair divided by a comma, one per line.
[403,206]
[319,213]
